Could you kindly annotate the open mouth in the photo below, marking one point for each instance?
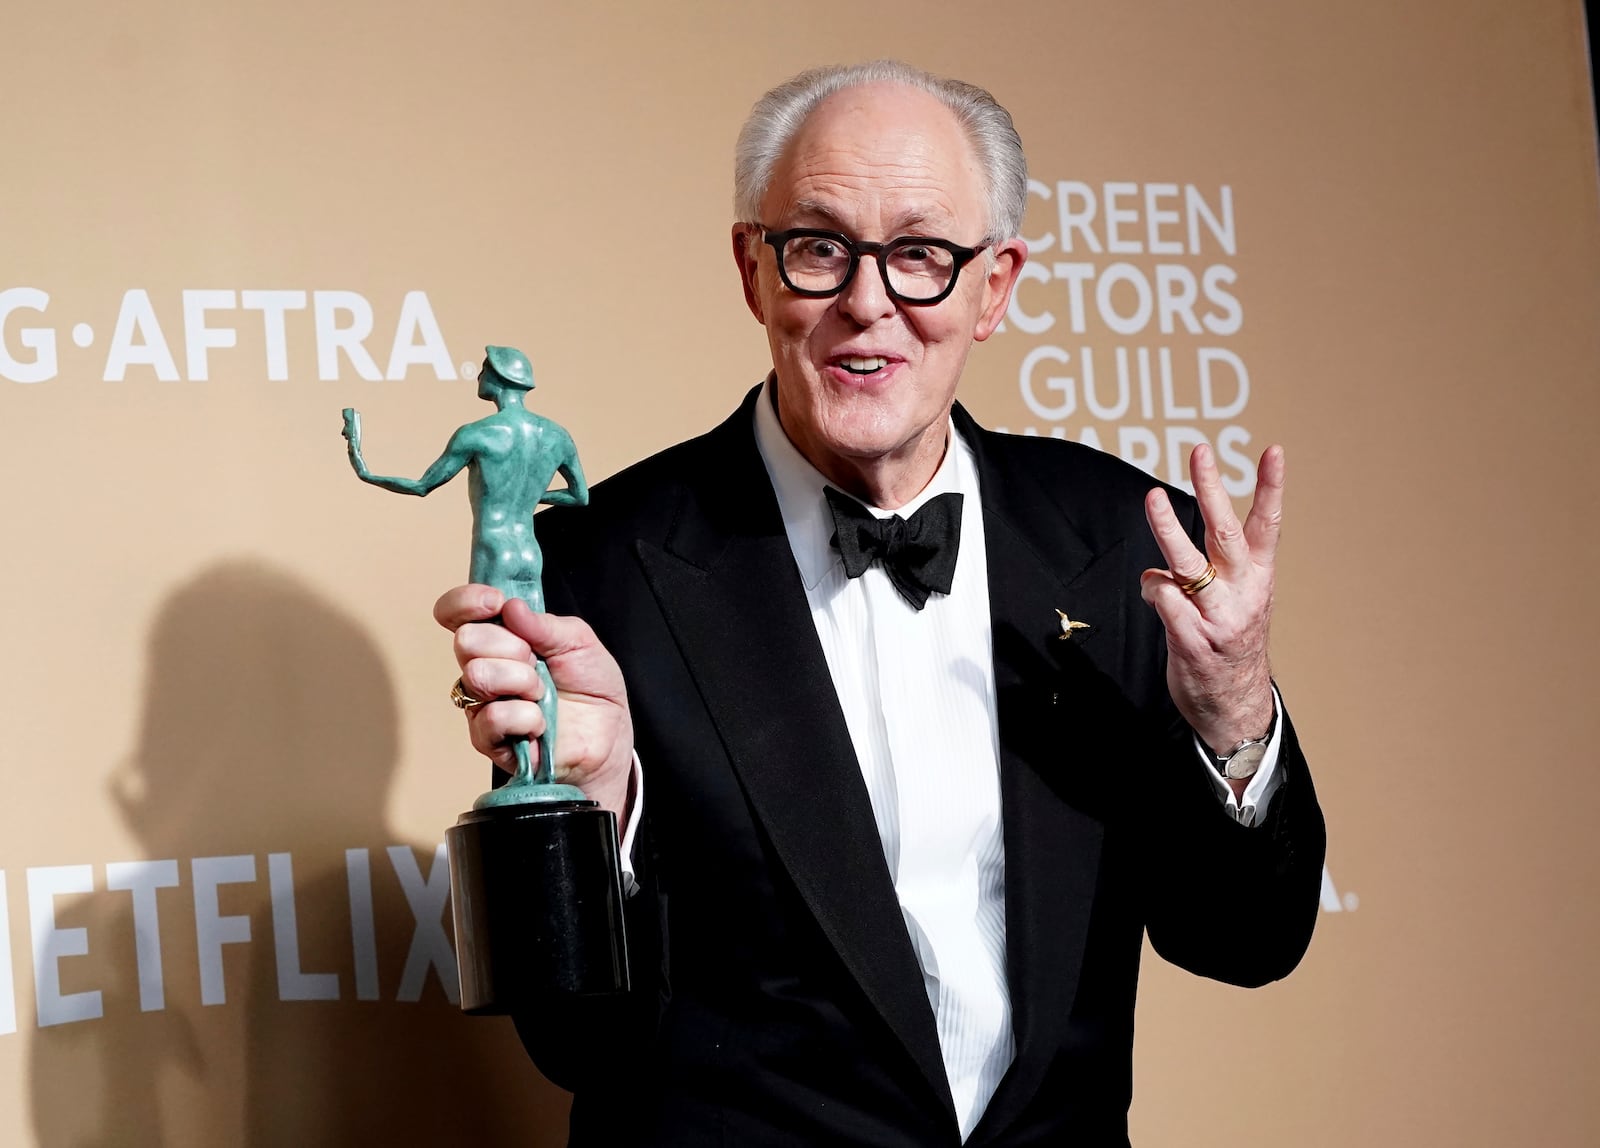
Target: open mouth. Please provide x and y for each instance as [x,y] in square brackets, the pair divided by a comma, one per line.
[858,365]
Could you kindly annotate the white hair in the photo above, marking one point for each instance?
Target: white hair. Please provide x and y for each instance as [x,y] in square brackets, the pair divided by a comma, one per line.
[779,115]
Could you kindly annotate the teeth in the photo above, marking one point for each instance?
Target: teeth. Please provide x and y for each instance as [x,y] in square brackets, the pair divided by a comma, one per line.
[866,366]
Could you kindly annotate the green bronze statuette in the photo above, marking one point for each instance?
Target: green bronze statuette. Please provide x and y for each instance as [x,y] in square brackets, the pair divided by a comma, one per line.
[511,457]
[535,876]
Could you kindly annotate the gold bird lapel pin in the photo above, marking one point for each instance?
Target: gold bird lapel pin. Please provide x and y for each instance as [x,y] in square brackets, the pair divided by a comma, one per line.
[1068,626]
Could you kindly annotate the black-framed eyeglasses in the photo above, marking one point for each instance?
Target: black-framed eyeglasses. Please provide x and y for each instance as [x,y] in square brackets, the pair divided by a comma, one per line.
[916,269]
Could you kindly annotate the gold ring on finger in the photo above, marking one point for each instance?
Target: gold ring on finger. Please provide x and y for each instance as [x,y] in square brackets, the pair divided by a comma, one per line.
[1194,585]
[461,699]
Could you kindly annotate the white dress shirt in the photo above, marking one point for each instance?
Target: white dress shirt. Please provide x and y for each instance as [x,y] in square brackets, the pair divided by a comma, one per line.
[917,690]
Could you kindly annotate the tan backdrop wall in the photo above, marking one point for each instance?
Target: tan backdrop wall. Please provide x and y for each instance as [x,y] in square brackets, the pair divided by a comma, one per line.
[225,758]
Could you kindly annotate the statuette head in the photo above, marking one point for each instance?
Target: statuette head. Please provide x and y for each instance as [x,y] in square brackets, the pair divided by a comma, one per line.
[511,365]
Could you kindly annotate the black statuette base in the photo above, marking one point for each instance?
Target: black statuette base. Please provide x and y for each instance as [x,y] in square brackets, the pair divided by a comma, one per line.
[536,892]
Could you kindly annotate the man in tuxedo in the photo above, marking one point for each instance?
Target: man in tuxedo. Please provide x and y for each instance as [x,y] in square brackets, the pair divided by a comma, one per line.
[906,767]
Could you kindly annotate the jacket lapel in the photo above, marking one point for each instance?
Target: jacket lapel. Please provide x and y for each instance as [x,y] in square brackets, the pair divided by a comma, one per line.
[728,587]
[1038,564]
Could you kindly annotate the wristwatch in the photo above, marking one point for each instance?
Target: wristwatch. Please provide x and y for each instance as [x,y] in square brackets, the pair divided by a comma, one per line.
[1242,761]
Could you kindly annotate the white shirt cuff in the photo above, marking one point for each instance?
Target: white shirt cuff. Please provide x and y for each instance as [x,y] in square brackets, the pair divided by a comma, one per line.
[630,882]
[1258,794]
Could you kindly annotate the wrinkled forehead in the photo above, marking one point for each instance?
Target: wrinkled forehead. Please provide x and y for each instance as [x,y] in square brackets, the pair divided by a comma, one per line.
[878,156]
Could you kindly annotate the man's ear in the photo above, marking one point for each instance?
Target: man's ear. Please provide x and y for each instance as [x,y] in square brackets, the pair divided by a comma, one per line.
[746,253]
[998,284]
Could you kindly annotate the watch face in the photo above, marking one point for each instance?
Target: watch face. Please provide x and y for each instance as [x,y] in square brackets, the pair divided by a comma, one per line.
[1245,763]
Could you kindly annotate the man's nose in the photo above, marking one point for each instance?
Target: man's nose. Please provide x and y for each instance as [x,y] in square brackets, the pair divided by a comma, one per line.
[866,299]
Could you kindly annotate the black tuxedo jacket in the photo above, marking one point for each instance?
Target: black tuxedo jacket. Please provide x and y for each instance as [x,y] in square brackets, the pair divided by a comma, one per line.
[777,999]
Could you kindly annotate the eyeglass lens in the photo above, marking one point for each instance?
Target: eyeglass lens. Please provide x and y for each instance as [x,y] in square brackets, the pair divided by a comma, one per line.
[915,271]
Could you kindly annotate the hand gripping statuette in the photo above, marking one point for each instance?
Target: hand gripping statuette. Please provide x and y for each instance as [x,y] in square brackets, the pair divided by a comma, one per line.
[534,873]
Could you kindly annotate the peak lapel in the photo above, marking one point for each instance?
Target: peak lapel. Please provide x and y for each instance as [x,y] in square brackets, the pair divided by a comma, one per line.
[729,590]
[1038,564]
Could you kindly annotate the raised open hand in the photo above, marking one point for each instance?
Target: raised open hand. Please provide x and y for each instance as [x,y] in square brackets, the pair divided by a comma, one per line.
[1217,612]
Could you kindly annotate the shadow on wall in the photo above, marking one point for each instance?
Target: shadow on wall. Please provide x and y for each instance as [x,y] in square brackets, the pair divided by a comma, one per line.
[269,727]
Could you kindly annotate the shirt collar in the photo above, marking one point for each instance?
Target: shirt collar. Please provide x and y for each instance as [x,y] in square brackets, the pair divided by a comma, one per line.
[798,485]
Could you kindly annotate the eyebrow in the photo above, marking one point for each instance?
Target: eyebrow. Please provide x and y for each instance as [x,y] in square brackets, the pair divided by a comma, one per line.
[813,209]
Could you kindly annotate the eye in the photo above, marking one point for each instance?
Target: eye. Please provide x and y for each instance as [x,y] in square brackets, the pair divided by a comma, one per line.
[816,247]
[915,254]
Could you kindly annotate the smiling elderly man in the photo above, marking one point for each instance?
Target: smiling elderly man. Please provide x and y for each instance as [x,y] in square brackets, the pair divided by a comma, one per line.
[906,828]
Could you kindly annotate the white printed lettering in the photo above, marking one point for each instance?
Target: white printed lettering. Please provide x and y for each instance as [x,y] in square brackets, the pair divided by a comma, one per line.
[273,305]
[1061,384]
[332,338]
[416,319]
[51,943]
[430,947]
[40,340]
[363,934]
[142,879]
[212,929]
[293,984]
[137,317]
[198,338]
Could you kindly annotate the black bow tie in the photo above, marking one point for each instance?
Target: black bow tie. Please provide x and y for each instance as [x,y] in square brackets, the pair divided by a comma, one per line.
[918,554]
